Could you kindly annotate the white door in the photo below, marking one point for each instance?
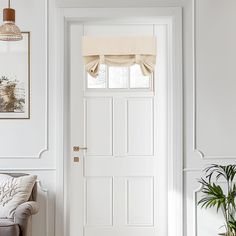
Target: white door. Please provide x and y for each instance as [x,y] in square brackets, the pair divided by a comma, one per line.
[118,182]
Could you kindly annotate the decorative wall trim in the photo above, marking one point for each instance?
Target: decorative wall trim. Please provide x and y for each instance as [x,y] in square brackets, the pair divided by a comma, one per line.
[195,192]
[47,82]
[175,127]
[197,149]
[175,106]
[45,191]
[45,149]
[62,217]
[46,145]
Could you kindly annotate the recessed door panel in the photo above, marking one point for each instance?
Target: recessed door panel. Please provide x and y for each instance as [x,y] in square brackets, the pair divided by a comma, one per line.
[99,126]
[99,201]
[140,127]
[140,201]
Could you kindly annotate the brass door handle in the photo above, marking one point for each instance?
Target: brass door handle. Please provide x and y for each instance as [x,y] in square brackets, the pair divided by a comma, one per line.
[77,148]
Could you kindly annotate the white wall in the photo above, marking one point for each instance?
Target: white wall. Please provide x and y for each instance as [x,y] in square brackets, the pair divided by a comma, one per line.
[28,146]
[209,114]
[209,127]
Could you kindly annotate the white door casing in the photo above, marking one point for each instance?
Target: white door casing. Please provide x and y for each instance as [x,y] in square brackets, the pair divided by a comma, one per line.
[134,182]
[118,184]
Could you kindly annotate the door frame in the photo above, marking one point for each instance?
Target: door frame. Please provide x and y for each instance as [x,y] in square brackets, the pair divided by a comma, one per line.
[66,16]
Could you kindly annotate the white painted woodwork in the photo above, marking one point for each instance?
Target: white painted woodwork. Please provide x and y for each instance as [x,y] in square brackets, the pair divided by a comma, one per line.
[114,187]
[140,207]
[120,127]
[119,30]
[99,126]
[99,201]
[140,127]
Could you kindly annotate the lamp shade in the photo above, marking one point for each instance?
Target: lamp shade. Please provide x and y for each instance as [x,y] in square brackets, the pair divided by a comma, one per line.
[9,31]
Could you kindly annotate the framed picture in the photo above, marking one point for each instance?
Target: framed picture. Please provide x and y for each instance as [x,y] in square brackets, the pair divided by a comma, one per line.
[15,78]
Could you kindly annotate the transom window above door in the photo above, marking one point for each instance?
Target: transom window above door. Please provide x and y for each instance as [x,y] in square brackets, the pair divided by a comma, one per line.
[111,77]
[119,62]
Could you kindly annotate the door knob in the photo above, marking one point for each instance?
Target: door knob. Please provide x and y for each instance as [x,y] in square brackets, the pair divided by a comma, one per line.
[77,148]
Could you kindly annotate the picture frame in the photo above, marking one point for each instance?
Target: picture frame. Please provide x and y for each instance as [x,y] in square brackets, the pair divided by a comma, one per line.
[15,78]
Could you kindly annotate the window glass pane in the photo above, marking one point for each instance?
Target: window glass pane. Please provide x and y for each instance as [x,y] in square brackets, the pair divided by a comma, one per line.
[100,81]
[137,79]
[118,77]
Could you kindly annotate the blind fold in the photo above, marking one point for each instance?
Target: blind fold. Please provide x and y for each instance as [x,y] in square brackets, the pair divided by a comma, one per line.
[119,51]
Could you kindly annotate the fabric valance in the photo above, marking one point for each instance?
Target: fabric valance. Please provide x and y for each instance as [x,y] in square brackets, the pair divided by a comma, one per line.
[119,51]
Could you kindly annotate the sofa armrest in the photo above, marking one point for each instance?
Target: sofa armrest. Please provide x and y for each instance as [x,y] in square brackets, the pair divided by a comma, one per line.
[26,209]
[23,217]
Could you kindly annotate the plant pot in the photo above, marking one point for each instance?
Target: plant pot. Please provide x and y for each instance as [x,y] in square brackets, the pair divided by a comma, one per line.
[225,234]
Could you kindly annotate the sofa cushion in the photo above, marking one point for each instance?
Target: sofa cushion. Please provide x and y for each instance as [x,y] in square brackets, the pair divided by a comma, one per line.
[9,228]
[13,192]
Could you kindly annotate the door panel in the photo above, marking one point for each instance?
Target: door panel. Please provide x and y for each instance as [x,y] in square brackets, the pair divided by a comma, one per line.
[99,202]
[99,127]
[140,198]
[114,187]
[120,127]
[140,127]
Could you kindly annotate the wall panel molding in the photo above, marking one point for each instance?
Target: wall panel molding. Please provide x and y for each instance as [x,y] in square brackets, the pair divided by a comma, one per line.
[45,149]
[200,151]
[34,77]
[195,192]
[46,145]
[195,147]
[46,195]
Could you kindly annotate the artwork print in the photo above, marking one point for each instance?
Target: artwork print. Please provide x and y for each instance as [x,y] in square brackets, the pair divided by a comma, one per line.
[15,79]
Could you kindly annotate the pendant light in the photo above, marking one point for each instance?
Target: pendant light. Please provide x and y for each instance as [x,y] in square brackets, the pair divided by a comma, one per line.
[9,31]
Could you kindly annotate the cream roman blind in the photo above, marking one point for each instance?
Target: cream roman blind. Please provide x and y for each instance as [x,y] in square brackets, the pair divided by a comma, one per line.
[119,51]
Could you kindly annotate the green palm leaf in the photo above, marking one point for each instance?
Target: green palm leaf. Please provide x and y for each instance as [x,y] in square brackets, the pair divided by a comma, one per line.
[215,196]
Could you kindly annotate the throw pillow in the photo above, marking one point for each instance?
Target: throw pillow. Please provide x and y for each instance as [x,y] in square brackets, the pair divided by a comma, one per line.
[13,192]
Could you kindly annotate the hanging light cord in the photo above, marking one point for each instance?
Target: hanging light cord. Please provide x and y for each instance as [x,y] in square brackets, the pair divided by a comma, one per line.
[9,3]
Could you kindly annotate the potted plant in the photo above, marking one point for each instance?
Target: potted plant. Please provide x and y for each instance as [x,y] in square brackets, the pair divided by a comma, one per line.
[221,198]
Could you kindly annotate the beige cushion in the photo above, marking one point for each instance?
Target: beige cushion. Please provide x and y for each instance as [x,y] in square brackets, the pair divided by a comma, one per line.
[13,192]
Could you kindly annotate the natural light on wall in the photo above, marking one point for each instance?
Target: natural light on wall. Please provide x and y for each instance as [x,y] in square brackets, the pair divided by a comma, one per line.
[110,77]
